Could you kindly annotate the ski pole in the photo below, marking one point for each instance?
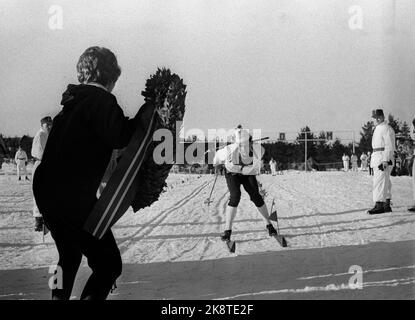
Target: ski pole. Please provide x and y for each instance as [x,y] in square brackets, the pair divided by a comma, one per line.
[211,191]
[276,217]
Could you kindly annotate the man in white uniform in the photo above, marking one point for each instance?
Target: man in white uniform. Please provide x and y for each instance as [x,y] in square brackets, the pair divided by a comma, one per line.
[241,169]
[21,159]
[38,146]
[345,160]
[383,144]
[412,209]
[363,159]
[273,166]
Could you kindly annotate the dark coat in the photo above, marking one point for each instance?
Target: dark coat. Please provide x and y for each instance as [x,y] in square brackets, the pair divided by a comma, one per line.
[84,134]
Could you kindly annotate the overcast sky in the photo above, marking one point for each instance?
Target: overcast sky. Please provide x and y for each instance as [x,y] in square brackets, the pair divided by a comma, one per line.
[276,65]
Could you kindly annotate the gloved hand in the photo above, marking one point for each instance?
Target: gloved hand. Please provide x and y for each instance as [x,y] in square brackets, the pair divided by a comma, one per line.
[38,224]
[384,165]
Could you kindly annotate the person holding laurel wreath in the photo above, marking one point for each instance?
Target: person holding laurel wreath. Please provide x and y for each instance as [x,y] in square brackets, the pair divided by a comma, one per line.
[91,123]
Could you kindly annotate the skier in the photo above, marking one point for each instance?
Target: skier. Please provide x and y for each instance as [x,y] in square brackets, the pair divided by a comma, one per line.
[412,209]
[91,122]
[369,158]
[273,166]
[353,160]
[242,164]
[383,144]
[345,160]
[363,160]
[38,146]
[21,160]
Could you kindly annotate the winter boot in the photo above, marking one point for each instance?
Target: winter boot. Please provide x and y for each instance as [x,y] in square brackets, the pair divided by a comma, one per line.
[378,208]
[387,206]
[271,230]
[226,235]
[38,224]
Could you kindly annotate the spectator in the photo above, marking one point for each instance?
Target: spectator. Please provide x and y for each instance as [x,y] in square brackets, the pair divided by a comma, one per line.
[21,161]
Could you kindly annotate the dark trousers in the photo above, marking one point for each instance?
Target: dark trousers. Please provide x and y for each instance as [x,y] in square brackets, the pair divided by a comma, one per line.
[103,256]
[250,184]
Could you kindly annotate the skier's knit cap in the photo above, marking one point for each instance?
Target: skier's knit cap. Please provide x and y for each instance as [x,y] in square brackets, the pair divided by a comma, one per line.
[377,113]
[241,136]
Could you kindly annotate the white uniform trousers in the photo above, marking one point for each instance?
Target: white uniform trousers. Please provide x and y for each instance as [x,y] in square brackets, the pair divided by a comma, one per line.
[382,185]
[346,165]
[21,167]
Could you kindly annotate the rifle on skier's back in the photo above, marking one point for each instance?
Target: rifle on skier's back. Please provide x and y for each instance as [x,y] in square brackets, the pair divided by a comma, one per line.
[256,140]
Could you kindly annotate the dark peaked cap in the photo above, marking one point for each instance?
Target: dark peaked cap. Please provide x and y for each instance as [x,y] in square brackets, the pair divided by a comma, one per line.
[377,113]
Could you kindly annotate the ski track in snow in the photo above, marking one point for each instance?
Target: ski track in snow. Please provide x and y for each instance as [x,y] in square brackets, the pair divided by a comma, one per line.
[364,271]
[327,288]
[315,210]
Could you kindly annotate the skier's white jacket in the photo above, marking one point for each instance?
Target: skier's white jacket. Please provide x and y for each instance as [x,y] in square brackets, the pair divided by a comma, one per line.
[39,143]
[232,155]
[383,137]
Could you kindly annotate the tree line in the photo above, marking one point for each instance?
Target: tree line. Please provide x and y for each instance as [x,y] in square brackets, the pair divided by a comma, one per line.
[321,154]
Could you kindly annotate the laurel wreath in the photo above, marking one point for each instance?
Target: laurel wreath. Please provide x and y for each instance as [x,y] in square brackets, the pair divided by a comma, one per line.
[167,92]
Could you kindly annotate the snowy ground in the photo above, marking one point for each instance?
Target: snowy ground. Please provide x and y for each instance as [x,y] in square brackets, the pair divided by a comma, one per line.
[172,251]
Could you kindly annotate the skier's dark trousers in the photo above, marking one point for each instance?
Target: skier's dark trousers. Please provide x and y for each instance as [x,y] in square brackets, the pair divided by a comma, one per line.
[84,134]
[250,184]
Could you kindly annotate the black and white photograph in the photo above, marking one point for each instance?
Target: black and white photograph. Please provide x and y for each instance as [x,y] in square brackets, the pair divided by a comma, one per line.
[207,154]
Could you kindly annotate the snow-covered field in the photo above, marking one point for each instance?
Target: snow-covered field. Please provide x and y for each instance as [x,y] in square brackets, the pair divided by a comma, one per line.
[172,250]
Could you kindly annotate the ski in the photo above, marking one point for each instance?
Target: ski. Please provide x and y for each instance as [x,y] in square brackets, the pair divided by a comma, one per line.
[281,240]
[274,217]
[231,245]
